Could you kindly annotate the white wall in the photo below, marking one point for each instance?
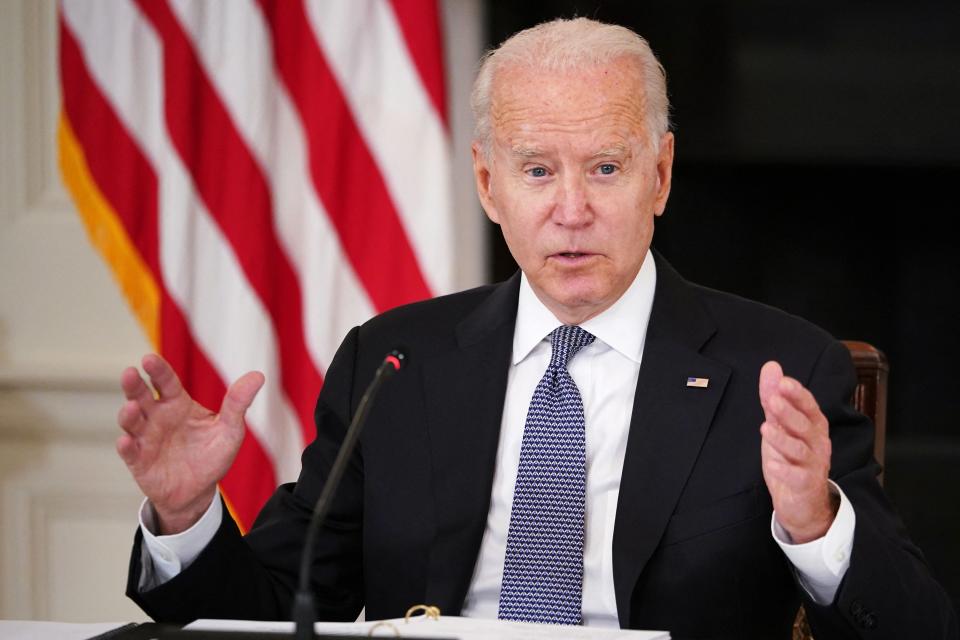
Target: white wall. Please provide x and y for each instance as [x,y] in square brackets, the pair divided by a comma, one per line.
[67,504]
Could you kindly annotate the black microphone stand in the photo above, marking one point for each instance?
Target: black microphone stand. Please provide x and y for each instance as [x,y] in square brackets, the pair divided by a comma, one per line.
[304,613]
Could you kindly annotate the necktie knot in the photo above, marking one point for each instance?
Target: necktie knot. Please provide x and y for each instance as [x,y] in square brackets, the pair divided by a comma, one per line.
[567,340]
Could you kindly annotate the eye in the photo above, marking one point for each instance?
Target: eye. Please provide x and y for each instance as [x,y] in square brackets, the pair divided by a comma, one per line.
[607,169]
[537,172]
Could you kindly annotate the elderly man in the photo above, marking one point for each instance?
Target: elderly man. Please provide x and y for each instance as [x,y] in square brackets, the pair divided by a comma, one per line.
[594,441]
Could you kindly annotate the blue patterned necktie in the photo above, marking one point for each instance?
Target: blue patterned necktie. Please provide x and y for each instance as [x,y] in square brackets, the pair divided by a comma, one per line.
[543,567]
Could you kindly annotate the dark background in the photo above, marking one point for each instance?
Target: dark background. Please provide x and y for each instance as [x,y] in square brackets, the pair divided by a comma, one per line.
[817,162]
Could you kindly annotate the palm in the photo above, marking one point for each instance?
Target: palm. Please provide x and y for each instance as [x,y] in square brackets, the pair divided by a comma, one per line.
[176,449]
[783,495]
[795,453]
[184,446]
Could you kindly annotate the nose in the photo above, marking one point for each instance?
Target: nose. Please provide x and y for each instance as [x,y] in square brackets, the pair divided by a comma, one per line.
[572,203]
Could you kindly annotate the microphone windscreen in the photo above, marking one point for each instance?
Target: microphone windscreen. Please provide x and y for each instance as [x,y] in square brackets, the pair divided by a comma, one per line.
[397,358]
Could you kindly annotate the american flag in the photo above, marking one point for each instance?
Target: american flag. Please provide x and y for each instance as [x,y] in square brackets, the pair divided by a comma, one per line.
[260,176]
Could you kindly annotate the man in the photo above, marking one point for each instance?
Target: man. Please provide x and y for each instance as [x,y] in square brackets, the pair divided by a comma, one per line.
[663,473]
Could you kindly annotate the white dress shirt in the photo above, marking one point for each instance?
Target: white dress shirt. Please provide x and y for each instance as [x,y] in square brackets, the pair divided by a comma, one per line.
[606,373]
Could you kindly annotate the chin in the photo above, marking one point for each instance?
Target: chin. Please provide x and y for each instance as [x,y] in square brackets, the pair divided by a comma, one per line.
[582,289]
[581,299]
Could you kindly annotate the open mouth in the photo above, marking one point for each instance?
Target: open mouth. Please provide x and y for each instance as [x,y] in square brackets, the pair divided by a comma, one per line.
[571,256]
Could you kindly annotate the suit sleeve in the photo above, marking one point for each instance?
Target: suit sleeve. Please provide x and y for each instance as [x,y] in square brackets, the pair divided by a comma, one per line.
[888,590]
[255,576]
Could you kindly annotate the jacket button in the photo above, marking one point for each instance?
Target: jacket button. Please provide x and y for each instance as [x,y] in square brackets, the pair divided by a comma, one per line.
[856,608]
[869,621]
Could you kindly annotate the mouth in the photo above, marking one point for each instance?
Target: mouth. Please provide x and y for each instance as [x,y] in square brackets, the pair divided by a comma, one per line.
[572,257]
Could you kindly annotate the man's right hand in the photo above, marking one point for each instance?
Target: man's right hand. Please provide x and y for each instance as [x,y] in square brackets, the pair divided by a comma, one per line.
[176,449]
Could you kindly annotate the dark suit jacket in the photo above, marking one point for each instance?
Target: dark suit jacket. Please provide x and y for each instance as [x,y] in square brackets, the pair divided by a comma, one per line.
[692,548]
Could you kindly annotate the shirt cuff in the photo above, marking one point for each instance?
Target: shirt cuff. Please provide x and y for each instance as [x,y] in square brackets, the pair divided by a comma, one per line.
[821,563]
[164,557]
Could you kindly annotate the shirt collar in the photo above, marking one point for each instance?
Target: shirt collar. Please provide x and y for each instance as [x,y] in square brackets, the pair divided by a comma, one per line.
[623,327]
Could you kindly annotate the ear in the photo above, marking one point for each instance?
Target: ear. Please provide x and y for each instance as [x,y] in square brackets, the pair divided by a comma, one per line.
[482,175]
[664,173]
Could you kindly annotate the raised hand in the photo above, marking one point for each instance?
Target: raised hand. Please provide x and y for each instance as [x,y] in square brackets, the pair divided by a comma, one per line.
[176,449]
[795,453]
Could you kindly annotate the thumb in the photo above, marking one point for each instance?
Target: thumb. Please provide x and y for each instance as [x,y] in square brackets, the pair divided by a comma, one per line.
[239,396]
[770,375]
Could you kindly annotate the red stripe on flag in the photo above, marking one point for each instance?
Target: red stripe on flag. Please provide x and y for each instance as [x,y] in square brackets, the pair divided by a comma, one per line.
[345,175]
[420,23]
[236,193]
[128,182]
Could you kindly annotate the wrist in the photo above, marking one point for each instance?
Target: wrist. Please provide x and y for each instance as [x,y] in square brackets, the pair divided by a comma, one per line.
[816,525]
[173,521]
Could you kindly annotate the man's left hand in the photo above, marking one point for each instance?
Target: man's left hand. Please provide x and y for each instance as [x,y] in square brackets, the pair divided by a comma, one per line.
[795,453]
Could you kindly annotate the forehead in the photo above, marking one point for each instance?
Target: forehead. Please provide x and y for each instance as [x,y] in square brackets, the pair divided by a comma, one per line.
[604,100]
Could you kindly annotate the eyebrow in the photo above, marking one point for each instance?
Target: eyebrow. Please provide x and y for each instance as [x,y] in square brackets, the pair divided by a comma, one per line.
[615,150]
[526,152]
[532,152]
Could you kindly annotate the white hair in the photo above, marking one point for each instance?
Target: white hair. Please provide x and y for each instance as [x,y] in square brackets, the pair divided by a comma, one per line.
[564,45]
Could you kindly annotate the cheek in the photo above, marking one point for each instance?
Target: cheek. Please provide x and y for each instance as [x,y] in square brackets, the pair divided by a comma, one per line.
[521,240]
[637,236]
[629,234]
[521,214]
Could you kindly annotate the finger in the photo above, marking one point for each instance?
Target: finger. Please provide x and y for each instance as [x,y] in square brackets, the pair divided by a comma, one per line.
[131,418]
[801,398]
[784,413]
[796,476]
[134,388]
[127,448]
[770,375]
[164,380]
[767,450]
[773,472]
[818,436]
[792,449]
[239,396]
[771,462]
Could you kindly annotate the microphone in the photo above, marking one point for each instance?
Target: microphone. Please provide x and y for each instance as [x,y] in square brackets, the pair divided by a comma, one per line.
[304,613]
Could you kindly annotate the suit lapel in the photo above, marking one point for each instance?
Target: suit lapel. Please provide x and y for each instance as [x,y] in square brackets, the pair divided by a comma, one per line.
[669,423]
[465,392]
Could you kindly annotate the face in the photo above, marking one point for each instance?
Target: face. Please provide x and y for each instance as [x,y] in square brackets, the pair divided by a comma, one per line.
[573,181]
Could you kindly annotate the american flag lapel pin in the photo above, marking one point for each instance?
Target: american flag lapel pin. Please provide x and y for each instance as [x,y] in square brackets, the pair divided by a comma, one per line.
[699,383]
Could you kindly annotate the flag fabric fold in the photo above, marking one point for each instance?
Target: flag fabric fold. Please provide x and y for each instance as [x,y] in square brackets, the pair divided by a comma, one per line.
[260,176]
